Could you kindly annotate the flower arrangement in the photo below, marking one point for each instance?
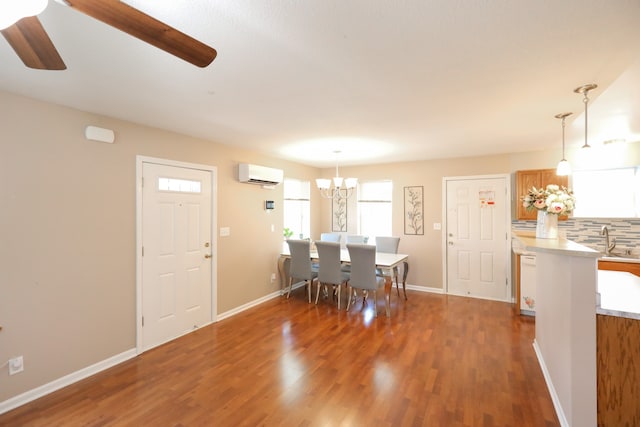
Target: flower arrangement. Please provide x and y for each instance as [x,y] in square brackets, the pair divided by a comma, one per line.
[553,199]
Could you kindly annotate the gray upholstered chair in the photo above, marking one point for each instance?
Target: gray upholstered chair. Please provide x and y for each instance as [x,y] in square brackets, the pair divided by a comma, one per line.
[387,244]
[330,237]
[363,273]
[330,273]
[357,239]
[390,245]
[300,267]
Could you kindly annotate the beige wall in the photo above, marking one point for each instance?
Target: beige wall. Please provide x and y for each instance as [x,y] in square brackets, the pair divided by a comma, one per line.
[67,240]
[425,251]
[67,230]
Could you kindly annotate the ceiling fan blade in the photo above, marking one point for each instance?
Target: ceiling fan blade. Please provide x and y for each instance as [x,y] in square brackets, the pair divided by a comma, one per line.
[144,27]
[32,44]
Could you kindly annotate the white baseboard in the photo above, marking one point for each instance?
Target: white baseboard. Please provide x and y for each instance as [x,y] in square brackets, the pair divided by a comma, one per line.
[45,389]
[552,391]
[255,302]
[247,306]
[425,289]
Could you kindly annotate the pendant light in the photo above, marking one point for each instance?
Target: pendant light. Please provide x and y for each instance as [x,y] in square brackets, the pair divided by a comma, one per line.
[564,168]
[585,91]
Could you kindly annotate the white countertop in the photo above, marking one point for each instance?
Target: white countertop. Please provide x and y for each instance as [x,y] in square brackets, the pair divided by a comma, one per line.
[619,294]
[556,246]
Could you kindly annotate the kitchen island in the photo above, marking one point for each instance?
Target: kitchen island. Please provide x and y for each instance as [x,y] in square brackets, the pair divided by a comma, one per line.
[565,342]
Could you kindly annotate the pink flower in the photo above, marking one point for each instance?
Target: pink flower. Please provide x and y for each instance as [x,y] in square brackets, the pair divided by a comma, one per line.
[555,208]
[539,204]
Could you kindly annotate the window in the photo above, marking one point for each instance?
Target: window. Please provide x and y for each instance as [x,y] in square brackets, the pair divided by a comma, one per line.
[374,208]
[607,193]
[177,185]
[297,210]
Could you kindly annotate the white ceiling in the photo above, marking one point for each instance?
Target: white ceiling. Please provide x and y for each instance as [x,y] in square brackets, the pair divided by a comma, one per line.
[379,80]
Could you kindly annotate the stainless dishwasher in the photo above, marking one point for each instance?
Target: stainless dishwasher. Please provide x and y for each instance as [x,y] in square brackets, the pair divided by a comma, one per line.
[528,284]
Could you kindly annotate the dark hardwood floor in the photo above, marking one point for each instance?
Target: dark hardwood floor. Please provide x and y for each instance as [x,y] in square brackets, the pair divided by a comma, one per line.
[439,361]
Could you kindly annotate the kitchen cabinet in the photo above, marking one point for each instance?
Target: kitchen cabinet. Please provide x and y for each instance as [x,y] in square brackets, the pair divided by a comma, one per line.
[630,267]
[539,178]
[618,377]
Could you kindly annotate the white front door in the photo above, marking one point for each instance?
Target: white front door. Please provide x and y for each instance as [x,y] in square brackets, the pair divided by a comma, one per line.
[477,245]
[176,252]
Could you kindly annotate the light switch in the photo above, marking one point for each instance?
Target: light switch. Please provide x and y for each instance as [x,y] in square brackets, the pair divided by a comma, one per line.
[437,226]
[225,231]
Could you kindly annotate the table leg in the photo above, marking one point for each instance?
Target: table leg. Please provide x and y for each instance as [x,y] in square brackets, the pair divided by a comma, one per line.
[388,283]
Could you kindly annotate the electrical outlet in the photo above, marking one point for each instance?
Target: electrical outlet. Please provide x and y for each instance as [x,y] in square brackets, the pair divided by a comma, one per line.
[273,277]
[16,365]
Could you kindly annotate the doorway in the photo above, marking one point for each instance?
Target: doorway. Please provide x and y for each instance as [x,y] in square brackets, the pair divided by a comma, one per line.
[477,240]
[176,260]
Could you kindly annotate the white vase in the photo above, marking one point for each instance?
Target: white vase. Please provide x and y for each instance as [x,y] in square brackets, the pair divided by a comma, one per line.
[547,225]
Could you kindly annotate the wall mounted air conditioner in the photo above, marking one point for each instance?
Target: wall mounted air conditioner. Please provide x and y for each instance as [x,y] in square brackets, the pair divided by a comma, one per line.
[262,175]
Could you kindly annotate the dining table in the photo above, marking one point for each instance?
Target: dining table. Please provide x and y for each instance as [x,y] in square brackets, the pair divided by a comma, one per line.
[385,262]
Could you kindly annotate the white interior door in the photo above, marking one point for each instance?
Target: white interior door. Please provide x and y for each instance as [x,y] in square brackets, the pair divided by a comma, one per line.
[477,244]
[176,252]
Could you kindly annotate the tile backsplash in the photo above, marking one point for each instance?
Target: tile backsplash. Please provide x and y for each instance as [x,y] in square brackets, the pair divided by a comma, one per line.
[587,231]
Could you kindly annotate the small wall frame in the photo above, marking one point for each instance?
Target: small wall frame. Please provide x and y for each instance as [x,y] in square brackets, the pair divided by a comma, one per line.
[414,210]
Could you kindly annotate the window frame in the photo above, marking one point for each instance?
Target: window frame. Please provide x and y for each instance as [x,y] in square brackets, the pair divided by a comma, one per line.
[301,198]
[361,202]
[634,191]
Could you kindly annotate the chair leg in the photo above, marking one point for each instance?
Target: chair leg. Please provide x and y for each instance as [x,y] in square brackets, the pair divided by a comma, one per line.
[349,293]
[339,286]
[404,279]
[375,304]
[318,291]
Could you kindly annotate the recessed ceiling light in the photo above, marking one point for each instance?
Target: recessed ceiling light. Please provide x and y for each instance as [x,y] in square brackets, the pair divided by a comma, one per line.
[614,141]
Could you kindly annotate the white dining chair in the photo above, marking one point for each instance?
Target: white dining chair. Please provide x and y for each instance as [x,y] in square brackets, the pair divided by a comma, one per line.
[363,273]
[329,272]
[300,266]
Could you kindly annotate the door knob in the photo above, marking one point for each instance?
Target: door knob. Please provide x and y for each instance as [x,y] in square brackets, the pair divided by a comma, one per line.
[207,256]
[450,243]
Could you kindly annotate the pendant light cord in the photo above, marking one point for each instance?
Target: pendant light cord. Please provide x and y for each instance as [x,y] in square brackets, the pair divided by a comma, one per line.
[563,119]
[585,91]
[586,119]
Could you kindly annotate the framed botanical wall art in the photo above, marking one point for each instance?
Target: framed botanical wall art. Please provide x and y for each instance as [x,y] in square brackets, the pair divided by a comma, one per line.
[413,210]
[339,215]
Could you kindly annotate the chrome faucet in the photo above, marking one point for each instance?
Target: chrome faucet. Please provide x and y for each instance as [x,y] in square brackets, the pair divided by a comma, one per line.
[608,246]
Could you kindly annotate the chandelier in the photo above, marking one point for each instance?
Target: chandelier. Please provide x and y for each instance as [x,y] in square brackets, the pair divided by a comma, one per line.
[342,188]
